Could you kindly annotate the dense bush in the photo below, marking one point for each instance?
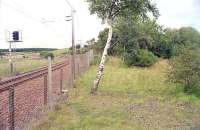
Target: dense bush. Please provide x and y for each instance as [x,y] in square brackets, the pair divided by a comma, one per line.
[46,55]
[185,69]
[162,50]
[142,58]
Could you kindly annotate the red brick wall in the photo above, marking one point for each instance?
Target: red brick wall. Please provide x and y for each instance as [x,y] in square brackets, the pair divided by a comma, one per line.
[30,95]
[29,98]
[4,110]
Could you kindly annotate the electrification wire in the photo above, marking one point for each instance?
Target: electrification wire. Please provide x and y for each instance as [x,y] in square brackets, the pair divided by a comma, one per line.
[78,29]
[27,15]
[76,21]
[70,5]
[42,21]
[21,12]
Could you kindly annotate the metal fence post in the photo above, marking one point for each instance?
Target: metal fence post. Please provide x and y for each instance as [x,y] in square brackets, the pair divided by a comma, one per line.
[1,120]
[50,83]
[45,90]
[78,72]
[61,80]
[11,108]
[70,83]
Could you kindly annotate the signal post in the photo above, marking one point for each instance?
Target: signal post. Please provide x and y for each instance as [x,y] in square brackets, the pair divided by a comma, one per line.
[13,37]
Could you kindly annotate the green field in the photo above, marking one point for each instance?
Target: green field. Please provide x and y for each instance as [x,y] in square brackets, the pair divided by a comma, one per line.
[128,99]
[20,66]
[28,63]
[23,65]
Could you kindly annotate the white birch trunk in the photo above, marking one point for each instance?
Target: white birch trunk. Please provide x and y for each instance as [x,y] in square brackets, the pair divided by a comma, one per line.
[103,60]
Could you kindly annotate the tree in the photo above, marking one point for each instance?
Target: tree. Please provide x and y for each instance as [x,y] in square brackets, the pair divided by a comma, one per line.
[185,69]
[46,54]
[189,36]
[90,43]
[173,41]
[78,46]
[108,11]
[102,37]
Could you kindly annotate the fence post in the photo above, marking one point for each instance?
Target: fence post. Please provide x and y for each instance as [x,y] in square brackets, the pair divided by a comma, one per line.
[50,83]
[1,120]
[78,72]
[45,90]
[11,108]
[88,60]
[61,80]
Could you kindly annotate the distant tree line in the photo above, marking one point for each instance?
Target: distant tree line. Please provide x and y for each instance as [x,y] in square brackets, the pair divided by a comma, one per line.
[30,49]
[80,49]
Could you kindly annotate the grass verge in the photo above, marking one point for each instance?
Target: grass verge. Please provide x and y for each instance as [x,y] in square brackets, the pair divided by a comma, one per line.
[128,99]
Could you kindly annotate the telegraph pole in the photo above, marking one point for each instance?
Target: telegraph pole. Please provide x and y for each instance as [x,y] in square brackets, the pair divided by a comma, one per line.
[73,41]
[73,46]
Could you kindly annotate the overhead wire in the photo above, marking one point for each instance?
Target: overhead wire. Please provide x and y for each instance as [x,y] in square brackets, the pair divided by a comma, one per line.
[27,15]
[79,29]
[70,5]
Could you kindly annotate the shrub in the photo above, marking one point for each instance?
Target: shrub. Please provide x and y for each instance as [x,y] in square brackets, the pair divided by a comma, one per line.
[142,58]
[96,60]
[185,69]
[46,55]
[162,50]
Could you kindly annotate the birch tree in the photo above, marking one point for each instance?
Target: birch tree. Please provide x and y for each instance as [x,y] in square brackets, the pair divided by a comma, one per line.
[108,11]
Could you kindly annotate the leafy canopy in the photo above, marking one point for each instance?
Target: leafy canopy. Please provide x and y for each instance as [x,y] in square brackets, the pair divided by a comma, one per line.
[110,9]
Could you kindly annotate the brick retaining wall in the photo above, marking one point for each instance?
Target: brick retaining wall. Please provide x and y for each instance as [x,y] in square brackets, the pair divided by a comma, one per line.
[30,96]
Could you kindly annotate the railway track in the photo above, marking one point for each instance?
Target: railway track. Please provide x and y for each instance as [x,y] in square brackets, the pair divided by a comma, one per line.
[16,80]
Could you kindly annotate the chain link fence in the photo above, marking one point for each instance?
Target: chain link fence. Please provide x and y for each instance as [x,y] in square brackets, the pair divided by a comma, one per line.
[23,97]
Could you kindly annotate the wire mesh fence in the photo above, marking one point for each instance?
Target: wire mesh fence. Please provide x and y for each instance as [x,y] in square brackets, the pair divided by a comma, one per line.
[22,97]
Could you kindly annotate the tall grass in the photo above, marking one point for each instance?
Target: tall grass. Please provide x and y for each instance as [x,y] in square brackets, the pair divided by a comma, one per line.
[128,99]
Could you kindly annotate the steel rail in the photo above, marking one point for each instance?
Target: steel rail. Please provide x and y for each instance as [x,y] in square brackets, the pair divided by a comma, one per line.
[16,80]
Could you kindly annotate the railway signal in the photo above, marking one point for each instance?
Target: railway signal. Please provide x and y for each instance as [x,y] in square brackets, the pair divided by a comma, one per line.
[15,36]
[12,38]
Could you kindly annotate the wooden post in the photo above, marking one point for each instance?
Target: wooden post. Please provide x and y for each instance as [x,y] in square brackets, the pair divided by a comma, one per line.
[1,120]
[78,72]
[11,108]
[10,58]
[11,95]
[61,80]
[50,83]
[45,90]
[70,83]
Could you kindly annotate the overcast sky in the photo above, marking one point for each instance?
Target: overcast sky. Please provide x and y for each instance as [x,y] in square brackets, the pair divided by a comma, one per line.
[30,16]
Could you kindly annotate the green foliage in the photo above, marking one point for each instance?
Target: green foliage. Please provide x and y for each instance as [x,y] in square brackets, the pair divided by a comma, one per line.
[99,46]
[78,46]
[171,42]
[163,49]
[142,58]
[96,60]
[110,9]
[189,36]
[129,99]
[185,69]
[45,55]
[60,52]
[84,50]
